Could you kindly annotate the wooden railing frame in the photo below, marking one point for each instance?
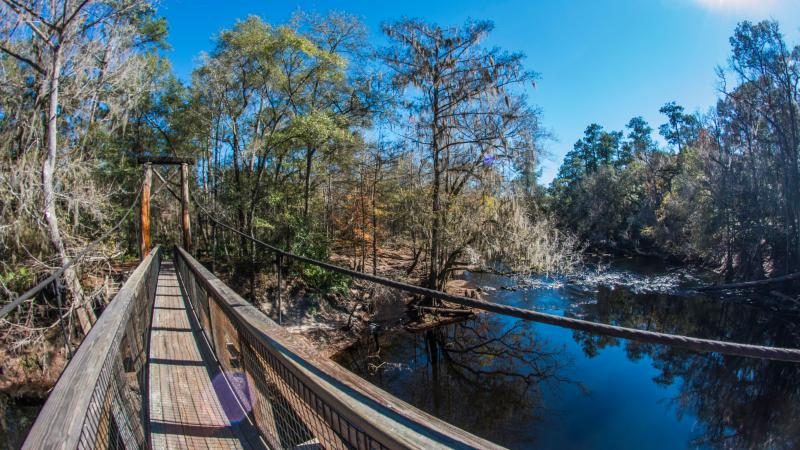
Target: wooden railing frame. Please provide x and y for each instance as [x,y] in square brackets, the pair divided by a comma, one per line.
[391,421]
[60,423]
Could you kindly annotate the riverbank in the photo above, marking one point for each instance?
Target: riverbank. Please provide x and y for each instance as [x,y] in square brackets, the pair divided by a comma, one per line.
[335,319]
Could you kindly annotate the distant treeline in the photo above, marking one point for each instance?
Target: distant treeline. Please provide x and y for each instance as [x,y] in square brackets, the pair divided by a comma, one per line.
[723,191]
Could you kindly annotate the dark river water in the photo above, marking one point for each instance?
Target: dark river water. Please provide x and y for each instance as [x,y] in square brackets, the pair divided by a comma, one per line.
[526,385]
[16,418]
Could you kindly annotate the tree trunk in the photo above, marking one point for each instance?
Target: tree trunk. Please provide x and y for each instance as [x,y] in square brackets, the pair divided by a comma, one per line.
[374,233]
[374,199]
[433,273]
[86,316]
[362,219]
[240,213]
[307,182]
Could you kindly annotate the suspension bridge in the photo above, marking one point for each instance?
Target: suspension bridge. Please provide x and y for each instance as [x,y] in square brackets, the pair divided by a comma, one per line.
[179,360]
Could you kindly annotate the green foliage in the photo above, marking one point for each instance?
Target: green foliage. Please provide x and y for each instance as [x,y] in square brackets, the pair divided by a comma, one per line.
[153,30]
[598,189]
[262,225]
[681,129]
[316,246]
[639,142]
[596,149]
[320,128]
[18,280]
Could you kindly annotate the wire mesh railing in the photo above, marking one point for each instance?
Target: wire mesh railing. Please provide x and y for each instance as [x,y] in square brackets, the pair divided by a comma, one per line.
[295,397]
[100,400]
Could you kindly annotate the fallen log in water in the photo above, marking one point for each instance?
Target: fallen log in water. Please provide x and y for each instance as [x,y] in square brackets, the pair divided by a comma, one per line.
[785,298]
[437,310]
[750,284]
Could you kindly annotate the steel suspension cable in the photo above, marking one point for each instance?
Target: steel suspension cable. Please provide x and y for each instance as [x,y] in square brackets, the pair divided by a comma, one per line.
[653,337]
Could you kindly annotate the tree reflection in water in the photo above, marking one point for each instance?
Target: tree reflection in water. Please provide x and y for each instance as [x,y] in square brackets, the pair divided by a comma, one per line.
[741,402]
[484,375]
[491,376]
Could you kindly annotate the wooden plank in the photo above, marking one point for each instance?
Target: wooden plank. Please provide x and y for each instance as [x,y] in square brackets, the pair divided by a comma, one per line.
[60,422]
[186,410]
[166,426]
[393,422]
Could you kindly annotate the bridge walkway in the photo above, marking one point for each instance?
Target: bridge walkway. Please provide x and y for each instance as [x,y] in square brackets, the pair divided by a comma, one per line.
[191,404]
[180,360]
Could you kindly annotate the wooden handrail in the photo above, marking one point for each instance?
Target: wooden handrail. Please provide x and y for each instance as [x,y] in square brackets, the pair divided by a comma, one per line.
[391,421]
[62,420]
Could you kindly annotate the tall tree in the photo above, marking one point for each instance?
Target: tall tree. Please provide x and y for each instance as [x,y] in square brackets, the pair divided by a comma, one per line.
[283,97]
[768,71]
[639,142]
[464,114]
[681,129]
[80,46]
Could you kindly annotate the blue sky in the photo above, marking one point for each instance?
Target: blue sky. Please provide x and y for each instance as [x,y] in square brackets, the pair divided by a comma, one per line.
[600,61]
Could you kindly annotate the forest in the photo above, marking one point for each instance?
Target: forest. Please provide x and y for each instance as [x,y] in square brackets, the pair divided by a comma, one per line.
[723,191]
[309,136]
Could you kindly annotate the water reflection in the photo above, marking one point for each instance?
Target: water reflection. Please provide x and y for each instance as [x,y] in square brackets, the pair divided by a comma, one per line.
[525,385]
[483,375]
[742,402]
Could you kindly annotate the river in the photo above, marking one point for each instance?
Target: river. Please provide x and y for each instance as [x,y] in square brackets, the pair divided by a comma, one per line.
[526,385]
[16,419]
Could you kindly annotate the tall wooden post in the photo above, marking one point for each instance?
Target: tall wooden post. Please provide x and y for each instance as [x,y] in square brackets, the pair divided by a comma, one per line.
[187,228]
[144,246]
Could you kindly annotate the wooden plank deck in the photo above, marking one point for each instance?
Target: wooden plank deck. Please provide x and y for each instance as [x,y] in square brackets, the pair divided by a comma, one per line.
[191,405]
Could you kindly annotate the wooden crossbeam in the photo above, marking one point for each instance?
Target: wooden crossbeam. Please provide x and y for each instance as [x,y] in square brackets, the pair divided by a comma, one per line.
[165,160]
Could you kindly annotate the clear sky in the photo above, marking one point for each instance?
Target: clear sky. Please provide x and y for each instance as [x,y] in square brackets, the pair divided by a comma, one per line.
[601,61]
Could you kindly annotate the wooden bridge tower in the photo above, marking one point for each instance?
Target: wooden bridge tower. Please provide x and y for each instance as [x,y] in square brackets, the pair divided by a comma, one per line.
[147,162]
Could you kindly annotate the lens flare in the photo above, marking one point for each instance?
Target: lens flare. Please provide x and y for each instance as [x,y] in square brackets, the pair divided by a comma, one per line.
[236,403]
